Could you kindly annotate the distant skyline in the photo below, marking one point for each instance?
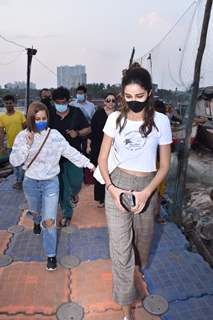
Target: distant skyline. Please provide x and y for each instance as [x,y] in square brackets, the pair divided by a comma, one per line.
[97,34]
[71,76]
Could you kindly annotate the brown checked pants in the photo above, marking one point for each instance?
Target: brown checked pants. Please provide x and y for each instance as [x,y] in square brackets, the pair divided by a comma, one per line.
[130,236]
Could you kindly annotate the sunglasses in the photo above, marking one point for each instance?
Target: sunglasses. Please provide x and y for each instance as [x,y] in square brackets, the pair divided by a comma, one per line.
[110,100]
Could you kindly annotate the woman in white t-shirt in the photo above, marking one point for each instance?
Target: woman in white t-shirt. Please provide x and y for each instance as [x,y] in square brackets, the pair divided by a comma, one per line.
[135,131]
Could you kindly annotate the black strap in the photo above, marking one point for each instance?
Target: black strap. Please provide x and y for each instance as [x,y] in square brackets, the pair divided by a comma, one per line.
[36,155]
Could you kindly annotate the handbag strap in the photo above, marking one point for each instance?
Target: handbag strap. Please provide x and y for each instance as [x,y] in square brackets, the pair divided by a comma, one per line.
[36,155]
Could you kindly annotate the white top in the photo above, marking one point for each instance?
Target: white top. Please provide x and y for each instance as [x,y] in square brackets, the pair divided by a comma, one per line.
[88,108]
[46,165]
[138,153]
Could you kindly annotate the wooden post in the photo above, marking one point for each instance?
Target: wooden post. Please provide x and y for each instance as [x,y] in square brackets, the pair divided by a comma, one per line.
[183,153]
[30,53]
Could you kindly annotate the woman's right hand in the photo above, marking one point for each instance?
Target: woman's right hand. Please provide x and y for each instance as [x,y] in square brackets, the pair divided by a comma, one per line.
[30,138]
[115,193]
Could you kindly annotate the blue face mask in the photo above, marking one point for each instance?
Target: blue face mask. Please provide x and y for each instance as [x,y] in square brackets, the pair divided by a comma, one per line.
[80,97]
[41,125]
[61,107]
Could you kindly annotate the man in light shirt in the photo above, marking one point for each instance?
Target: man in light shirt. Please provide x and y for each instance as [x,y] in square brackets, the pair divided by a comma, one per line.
[88,109]
[81,102]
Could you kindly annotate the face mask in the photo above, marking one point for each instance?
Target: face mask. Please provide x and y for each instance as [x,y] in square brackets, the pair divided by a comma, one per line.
[45,100]
[61,107]
[80,97]
[136,106]
[41,125]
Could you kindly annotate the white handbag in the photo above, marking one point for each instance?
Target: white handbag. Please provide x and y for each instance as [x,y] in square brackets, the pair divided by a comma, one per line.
[113,162]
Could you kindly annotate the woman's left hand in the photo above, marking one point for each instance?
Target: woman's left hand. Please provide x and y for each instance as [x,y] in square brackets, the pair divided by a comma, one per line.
[141,198]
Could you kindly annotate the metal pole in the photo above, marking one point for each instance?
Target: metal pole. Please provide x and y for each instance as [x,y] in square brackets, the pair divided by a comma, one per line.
[30,53]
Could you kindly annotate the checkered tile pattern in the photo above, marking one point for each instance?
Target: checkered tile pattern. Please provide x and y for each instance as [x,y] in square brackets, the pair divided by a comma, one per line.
[29,292]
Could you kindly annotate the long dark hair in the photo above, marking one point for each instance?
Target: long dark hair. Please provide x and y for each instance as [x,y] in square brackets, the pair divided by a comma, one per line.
[109,94]
[137,75]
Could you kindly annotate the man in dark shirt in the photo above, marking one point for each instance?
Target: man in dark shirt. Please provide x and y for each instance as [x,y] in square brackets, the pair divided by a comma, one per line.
[72,124]
[46,98]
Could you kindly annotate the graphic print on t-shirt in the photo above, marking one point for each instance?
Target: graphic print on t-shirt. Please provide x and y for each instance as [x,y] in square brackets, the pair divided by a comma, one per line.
[133,140]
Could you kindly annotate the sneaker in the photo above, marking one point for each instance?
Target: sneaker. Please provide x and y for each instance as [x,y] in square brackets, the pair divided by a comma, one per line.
[100,205]
[75,199]
[65,222]
[36,228]
[51,263]
[17,185]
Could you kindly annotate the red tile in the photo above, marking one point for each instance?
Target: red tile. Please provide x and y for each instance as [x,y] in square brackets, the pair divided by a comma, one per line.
[24,221]
[107,315]
[92,286]
[31,317]
[86,213]
[29,288]
[140,314]
[4,240]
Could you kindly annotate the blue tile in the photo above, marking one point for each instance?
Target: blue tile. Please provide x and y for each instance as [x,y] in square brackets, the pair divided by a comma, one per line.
[6,185]
[194,309]
[10,211]
[87,244]
[10,203]
[167,238]
[26,246]
[175,282]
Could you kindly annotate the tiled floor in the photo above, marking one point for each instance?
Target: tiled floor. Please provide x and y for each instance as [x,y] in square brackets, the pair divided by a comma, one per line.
[26,288]
[29,292]
[4,240]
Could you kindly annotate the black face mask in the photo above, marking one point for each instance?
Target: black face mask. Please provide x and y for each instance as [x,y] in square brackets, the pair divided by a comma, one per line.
[46,100]
[136,106]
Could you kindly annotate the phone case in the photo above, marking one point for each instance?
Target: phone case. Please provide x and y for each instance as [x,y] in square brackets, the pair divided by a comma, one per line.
[127,201]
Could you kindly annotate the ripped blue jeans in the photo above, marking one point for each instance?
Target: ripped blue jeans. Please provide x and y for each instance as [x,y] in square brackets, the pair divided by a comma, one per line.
[42,197]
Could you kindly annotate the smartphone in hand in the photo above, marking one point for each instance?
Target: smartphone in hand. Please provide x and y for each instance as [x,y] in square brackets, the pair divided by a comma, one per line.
[127,201]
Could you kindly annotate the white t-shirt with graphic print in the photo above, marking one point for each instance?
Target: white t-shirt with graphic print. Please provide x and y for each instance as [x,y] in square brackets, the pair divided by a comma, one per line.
[136,152]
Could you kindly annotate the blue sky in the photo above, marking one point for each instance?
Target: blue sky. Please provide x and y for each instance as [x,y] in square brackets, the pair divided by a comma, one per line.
[99,34]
